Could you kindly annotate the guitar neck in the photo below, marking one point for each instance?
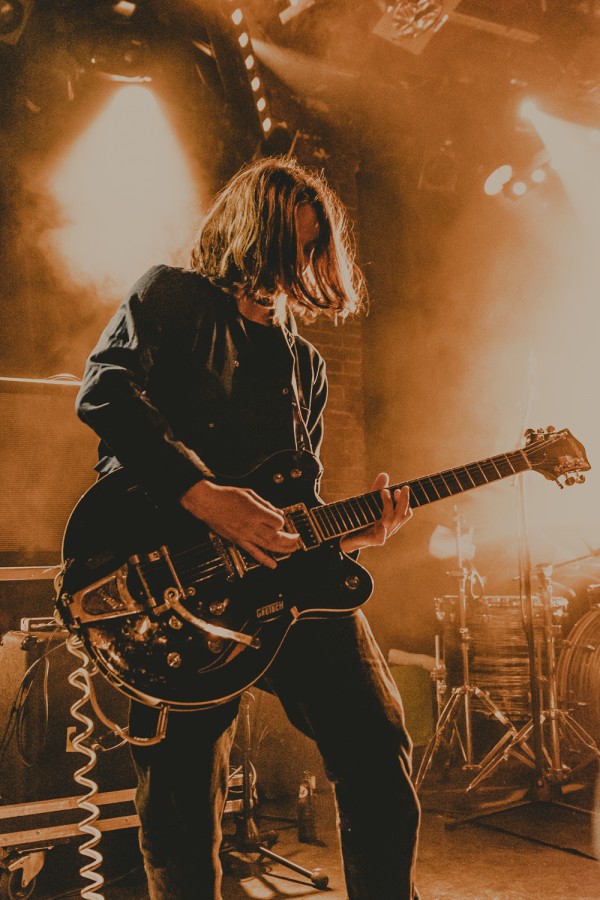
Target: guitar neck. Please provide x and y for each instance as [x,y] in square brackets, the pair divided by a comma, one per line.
[345,516]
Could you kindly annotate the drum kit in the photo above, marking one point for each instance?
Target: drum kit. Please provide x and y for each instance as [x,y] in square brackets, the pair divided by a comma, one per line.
[507,661]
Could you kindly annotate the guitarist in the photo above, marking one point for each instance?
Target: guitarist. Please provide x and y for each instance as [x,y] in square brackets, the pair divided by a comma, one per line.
[201,370]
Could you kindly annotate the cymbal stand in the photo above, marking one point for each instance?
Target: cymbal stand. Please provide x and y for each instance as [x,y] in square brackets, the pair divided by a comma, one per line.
[460,706]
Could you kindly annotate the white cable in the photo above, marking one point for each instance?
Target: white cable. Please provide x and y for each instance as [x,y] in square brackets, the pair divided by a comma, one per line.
[80,679]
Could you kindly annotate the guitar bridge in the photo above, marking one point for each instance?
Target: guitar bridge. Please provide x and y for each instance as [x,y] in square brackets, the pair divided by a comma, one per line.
[107,598]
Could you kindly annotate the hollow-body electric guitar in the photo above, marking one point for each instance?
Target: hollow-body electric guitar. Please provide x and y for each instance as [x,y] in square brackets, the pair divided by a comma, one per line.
[175,616]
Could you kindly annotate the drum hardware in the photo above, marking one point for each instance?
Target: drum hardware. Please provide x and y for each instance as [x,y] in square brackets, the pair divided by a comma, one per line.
[549,722]
[557,720]
[459,708]
[578,670]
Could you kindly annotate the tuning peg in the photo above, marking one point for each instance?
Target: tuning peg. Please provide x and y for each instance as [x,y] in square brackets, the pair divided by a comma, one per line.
[549,429]
[576,478]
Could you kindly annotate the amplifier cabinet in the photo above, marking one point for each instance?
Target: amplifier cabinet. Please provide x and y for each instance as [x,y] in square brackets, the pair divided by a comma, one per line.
[37,726]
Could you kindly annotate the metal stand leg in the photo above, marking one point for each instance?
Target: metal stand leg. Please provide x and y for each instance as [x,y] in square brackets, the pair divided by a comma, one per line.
[459,708]
[247,837]
[548,730]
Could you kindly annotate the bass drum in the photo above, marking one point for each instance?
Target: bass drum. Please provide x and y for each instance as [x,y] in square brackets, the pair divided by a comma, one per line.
[578,672]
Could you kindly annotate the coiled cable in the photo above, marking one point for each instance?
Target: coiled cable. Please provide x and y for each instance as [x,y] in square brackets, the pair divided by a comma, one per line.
[80,679]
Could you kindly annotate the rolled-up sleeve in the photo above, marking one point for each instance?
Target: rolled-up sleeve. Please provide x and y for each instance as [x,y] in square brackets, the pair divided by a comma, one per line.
[113,399]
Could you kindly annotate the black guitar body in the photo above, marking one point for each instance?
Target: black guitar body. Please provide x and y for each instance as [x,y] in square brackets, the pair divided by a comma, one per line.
[141,581]
[175,616]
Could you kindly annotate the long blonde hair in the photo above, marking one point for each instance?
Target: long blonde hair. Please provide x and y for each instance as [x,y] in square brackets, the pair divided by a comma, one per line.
[248,240]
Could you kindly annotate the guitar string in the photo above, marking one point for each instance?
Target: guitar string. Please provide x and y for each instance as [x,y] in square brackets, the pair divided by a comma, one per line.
[344,512]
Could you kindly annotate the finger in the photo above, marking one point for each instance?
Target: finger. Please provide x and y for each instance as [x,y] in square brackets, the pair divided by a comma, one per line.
[258,554]
[387,513]
[403,501]
[286,542]
[402,511]
[379,534]
[271,519]
[266,535]
[264,504]
[381,481]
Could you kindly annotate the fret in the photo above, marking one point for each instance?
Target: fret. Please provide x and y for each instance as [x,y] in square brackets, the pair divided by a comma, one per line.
[504,466]
[477,474]
[352,514]
[366,510]
[324,521]
[492,462]
[345,516]
[418,494]
[363,517]
[449,476]
[341,518]
[429,488]
[445,485]
[464,479]
[374,505]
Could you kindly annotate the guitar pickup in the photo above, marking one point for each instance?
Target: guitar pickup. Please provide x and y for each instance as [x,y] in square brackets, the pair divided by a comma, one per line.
[299,519]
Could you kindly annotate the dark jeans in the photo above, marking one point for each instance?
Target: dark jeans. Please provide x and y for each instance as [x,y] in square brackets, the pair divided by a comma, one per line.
[334,685]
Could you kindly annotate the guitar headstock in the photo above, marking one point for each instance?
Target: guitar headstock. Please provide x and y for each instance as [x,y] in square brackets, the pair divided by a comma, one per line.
[557,455]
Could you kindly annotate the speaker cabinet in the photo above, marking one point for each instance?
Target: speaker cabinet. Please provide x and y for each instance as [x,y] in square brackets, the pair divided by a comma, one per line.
[36,725]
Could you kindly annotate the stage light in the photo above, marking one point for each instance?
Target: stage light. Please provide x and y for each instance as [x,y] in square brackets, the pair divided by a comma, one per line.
[11,16]
[574,155]
[538,176]
[528,110]
[411,24]
[127,194]
[294,9]
[14,15]
[125,8]
[518,188]
[495,182]
[244,40]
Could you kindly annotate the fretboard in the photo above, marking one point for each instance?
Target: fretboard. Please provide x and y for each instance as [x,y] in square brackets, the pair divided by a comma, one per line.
[345,516]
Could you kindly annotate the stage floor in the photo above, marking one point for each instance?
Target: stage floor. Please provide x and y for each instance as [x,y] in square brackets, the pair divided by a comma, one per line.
[475,861]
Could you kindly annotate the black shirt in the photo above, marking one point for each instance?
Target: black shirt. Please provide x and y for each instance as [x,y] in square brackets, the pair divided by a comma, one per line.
[181,386]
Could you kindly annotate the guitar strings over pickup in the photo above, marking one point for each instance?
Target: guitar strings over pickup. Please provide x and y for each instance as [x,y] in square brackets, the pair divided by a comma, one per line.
[299,520]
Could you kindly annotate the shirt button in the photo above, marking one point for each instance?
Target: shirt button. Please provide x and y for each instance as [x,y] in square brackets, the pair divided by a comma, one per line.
[285,392]
[211,424]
